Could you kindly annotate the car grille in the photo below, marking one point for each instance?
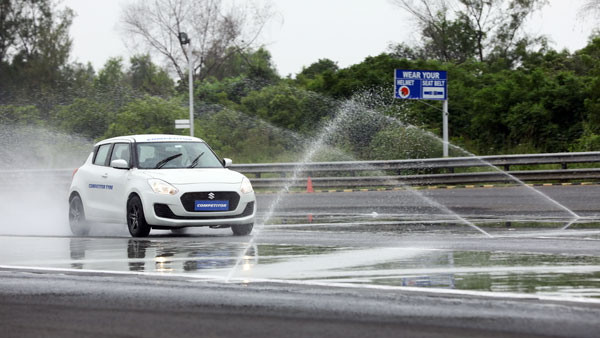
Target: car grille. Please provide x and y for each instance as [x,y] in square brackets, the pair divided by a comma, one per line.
[163,210]
[189,198]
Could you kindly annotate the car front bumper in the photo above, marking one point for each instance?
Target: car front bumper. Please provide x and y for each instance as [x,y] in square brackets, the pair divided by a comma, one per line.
[168,211]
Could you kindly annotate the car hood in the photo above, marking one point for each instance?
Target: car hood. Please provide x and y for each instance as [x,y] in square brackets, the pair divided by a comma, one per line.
[195,176]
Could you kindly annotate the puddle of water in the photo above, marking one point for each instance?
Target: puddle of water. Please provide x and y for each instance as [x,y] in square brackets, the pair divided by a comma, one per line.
[550,275]
[435,224]
[545,274]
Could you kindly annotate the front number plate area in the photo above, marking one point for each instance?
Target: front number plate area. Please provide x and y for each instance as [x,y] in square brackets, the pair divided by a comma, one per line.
[200,205]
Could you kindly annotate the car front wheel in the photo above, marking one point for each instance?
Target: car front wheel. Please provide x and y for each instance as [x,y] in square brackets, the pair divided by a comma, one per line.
[136,222]
[242,229]
[77,222]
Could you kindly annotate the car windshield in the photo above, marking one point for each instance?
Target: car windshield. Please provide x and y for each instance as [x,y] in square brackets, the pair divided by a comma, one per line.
[168,155]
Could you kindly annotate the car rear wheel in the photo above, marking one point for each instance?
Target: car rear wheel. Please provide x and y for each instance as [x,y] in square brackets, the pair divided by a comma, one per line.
[242,229]
[77,222]
[136,221]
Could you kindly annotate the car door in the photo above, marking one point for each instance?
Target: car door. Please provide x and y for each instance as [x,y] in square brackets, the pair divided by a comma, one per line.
[116,183]
[97,193]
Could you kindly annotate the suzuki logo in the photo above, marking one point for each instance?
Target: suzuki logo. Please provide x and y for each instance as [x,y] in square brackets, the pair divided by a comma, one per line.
[211,195]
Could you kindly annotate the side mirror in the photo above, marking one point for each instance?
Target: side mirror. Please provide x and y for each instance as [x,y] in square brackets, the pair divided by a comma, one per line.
[227,162]
[119,164]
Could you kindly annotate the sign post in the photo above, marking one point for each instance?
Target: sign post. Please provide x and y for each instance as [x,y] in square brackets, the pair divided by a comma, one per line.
[445,128]
[424,85]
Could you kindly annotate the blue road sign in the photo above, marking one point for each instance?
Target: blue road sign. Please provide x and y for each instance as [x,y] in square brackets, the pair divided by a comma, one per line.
[421,84]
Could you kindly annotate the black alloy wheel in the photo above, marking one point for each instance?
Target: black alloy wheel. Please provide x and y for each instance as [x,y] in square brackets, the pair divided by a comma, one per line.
[136,221]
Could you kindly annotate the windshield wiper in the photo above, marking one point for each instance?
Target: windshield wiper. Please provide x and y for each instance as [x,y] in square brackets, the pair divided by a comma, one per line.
[163,162]
[195,161]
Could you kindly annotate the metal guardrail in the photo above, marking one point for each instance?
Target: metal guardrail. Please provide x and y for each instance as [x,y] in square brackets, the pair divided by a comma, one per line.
[433,179]
[502,161]
[380,173]
[419,172]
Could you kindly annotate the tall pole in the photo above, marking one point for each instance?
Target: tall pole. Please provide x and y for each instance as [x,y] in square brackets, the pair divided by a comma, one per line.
[445,128]
[191,85]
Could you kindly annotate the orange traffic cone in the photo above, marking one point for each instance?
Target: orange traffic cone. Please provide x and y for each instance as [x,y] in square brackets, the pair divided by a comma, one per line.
[309,187]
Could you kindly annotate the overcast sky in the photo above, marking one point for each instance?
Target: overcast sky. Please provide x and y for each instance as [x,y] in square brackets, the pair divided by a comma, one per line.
[345,31]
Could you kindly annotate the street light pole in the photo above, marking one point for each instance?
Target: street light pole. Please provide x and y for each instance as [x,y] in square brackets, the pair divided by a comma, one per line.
[184,40]
[191,85]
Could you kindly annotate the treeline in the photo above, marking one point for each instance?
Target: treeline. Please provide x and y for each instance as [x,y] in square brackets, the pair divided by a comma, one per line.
[536,100]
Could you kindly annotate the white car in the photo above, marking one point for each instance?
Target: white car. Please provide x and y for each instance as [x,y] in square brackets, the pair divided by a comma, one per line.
[159,182]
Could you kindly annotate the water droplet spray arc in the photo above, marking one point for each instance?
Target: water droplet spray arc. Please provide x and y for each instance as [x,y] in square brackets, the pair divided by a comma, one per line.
[380,99]
[330,128]
[495,168]
[365,107]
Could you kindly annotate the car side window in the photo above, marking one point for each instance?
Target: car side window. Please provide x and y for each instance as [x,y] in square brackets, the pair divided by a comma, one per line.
[102,154]
[121,152]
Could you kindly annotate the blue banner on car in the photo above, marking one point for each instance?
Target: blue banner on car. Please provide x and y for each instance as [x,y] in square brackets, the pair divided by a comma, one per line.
[211,205]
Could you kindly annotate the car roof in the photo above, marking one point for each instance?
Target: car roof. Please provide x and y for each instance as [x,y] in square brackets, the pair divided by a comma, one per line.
[151,138]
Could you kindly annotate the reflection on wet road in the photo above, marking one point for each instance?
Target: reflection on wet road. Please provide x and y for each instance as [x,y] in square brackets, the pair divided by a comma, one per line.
[521,258]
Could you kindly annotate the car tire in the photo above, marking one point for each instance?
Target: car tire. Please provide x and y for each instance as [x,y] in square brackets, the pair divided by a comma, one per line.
[77,222]
[242,229]
[136,221]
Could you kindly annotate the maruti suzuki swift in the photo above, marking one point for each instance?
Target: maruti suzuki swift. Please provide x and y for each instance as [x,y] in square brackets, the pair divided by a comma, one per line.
[159,182]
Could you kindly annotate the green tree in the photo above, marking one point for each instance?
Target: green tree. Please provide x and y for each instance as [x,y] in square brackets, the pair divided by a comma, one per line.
[255,65]
[318,75]
[398,142]
[355,132]
[111,85]
[147,115]
[31,27]
[145,77]
[229,92]
[587,61]
[20,115]
[318,68]
[243,72]
[85,117]
[245,138]
[79,80]
[288,107]
[34,48]
[545,117]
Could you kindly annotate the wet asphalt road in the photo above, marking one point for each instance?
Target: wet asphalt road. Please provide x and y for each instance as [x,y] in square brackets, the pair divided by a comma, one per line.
[391,263]
[498,201]
[34,305]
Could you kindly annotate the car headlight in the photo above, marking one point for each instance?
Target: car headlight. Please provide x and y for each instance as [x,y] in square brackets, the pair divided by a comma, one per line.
[162,187]
[246,187]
